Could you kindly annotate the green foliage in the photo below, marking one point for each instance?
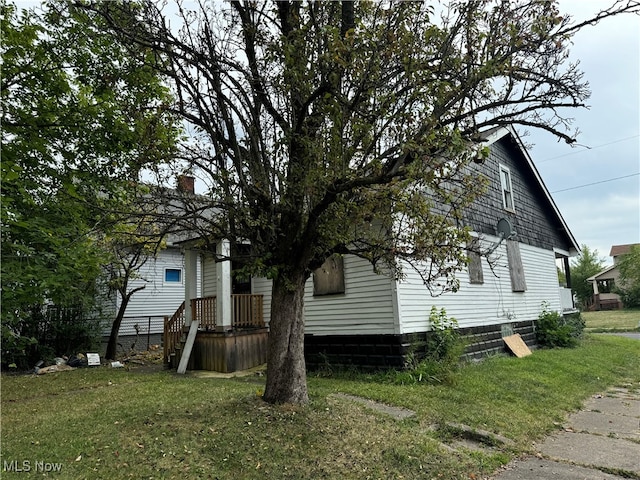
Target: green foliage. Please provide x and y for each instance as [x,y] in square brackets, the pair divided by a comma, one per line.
[47,332]
[628,286]
[81,115]
[555,330]
[443,350]
[562,278]
[587,264]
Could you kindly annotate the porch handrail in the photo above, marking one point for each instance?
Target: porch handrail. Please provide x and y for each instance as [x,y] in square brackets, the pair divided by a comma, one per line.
[203,309]
[172,331]
[247,311]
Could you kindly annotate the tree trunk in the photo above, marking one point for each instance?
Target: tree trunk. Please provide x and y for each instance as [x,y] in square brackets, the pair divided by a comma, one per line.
[112,344]
[286,370]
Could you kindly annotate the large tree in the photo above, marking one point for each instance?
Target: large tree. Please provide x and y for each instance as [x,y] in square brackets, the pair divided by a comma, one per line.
[328,128]
[585,265]
[81,115]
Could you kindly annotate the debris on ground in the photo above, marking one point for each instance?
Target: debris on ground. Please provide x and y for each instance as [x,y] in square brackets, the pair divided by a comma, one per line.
[152,356]
[77,361]
[93,359]
[52,369]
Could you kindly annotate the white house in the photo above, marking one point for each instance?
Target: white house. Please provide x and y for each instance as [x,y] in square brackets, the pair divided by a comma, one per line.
[359,317]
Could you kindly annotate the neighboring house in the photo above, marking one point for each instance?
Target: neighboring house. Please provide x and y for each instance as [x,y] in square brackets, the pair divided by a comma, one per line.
[354,316]
[604,282]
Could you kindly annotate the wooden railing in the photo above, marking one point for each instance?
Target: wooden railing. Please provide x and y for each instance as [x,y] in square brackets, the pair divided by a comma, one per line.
[204,310]
[173,331]
[246,311]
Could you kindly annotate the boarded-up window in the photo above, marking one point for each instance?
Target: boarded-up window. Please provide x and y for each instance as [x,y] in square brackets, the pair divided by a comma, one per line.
[516,271]
[475,267]
[329,278]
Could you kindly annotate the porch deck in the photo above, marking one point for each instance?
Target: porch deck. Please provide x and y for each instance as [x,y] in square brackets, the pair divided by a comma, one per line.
[222,348]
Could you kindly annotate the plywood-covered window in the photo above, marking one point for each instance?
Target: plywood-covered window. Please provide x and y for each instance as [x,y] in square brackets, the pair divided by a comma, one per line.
[507,189]
[475,267]
[329,278]
[516,271]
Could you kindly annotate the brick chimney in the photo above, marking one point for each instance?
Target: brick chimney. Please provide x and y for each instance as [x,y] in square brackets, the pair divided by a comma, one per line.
[186,184]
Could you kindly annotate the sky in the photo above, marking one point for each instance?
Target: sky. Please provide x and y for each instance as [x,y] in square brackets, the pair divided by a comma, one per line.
[606,213]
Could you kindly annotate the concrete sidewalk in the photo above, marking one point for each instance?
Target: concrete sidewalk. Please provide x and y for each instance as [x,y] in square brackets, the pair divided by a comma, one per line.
[600,442]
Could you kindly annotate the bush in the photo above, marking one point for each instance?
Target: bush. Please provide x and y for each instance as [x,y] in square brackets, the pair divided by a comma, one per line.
[443,349]
[42,333]
[630,297]
[555,330]
[629,282]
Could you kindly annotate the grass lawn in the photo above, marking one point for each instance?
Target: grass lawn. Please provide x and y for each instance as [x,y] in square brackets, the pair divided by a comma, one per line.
[612,320]
[117,424]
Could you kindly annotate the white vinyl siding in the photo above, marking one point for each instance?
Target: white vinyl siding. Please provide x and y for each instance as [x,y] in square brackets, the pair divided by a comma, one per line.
[372,303]
[492,302]
[262,286]
[208,276]
[159,298]
[366,307]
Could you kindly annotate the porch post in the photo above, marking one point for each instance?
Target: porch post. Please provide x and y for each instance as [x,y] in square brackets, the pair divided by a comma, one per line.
[190,282]
[223,285]
[567,271]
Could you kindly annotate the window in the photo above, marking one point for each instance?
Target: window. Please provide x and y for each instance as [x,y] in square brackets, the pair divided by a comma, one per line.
[475,268]
[507,189]
[329,278]
[172,275]
[605,286]
[516,271]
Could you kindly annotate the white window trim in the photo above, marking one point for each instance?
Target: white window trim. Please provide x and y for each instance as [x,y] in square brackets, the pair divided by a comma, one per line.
[164,276]
[504,188]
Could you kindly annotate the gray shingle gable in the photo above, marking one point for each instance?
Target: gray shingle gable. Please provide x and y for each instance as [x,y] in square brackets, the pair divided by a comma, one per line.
[535,219]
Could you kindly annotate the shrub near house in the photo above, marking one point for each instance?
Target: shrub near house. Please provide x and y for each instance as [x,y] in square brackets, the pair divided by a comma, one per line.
[555,330]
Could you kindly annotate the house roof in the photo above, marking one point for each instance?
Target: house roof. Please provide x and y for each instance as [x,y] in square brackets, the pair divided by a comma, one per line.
[621,249]
[593,278]
[493,135]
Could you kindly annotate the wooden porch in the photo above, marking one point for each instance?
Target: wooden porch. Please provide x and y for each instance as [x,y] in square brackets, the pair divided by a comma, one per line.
[218,347]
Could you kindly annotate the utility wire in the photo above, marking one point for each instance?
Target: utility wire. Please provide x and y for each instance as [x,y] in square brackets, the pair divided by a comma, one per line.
[588,148]
[597,183]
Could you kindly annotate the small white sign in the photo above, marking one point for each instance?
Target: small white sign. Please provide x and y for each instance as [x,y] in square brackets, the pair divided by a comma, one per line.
[93,359]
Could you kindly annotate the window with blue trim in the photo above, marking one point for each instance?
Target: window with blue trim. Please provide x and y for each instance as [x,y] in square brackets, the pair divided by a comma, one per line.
[173,275]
